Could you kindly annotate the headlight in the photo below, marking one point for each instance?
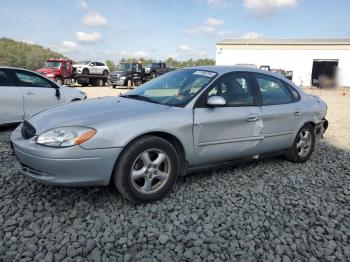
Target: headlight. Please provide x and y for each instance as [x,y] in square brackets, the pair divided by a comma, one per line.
[65,136]
[50,75]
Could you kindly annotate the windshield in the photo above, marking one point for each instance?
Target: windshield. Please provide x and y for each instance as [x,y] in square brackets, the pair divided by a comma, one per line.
[175,88]
[52,64]
[84,62]
[124,67]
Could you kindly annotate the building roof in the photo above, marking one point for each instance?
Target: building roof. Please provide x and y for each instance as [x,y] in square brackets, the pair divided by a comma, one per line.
[306,41]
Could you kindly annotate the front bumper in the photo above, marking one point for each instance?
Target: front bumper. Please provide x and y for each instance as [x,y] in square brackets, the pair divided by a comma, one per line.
[321,128]
[71,166]
[118,82]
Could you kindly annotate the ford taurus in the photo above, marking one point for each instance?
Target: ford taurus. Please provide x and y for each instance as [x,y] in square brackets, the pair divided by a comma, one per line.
[181,122]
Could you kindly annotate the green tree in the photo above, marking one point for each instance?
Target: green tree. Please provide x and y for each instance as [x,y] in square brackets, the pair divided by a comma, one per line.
[24,55]
[111,65]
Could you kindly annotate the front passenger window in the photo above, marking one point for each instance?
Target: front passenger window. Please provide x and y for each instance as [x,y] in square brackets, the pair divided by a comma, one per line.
[272,90]
[235,88]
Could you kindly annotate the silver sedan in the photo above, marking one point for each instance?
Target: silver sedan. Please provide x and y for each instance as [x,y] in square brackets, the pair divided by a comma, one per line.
[181,122]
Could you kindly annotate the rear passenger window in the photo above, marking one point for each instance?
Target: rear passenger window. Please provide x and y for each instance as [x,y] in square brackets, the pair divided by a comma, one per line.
[273,91]
[4,79]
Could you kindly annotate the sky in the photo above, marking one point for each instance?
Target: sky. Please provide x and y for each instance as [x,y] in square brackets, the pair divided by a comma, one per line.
[158,29]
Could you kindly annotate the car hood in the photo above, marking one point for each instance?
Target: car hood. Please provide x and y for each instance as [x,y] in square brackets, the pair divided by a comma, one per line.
[91,111]
[45,71]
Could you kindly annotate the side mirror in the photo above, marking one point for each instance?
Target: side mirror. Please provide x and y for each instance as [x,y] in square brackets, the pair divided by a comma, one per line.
[216,101]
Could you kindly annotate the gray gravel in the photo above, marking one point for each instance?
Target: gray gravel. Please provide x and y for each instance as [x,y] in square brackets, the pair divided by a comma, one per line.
[269,210]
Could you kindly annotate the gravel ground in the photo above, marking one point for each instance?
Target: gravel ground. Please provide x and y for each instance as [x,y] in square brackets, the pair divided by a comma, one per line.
[267,210]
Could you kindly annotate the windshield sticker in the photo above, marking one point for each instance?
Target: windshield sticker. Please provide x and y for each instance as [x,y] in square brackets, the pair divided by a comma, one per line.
[204,73]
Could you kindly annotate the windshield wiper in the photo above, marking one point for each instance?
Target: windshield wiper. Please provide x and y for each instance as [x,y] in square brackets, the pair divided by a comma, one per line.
[140,97]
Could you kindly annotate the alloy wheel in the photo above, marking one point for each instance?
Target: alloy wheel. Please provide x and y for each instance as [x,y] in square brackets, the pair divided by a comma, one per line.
[150,171]
[303,145]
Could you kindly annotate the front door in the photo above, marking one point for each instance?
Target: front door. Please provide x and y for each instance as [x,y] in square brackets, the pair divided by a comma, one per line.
[281,111]
[229,132]
[38,92]
[11,100]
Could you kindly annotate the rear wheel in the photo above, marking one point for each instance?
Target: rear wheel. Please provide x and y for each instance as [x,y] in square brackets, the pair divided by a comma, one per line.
[105,73]
[114,86]
[147,169]
[153,75]
[303,145]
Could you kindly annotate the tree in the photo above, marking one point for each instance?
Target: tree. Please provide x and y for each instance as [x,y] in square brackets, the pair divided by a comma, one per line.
[111,65]
[24,55]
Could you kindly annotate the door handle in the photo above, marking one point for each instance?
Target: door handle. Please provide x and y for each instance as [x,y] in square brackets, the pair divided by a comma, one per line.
[29,93]
[253,117]
[297,112]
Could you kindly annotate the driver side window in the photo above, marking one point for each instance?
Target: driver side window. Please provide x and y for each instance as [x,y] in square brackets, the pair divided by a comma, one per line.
[235,88]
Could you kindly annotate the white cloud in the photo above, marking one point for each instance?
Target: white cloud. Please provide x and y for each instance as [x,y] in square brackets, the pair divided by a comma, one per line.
[252,35]
[134,54]
[68,46]
[185,52]
[210,27]
[88,37]
[267,7]
[217,3]
[82,5]
[140,54]
[214,22]
[94,19]
[183,48]
[64,47]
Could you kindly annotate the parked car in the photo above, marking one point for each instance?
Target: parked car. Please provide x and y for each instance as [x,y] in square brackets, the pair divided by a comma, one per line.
[24,93]
[181,122]
[91,68]
[127,74]
[156,69]
[61,71]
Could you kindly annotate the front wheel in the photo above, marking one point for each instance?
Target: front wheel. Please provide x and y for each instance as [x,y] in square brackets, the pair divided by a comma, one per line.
[303,145]
[58,80]
[85,71]
[147,169]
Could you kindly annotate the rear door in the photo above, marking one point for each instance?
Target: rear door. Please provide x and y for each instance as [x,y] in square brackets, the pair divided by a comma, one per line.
[38,92]
[281,111]
[229,132]
[11,99]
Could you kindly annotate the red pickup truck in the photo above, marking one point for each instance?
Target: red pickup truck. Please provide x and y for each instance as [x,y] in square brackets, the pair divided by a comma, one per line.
[61,71]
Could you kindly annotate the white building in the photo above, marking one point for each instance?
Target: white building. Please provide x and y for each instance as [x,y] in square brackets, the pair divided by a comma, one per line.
[306,58]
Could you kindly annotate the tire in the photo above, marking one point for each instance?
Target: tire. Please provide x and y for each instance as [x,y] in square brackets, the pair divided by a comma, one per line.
[151,180]
[303,145]
[114,86]
[129,83]
[153,75]
[85,71]
[105,73]
[58,80]
[85,84]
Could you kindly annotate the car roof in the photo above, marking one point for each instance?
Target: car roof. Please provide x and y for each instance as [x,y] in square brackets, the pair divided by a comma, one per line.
[227,69]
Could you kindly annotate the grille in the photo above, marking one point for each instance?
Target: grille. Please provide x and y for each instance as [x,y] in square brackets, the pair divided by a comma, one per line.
[28,131]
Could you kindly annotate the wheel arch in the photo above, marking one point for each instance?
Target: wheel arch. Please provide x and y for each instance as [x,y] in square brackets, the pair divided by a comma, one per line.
[172,139]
